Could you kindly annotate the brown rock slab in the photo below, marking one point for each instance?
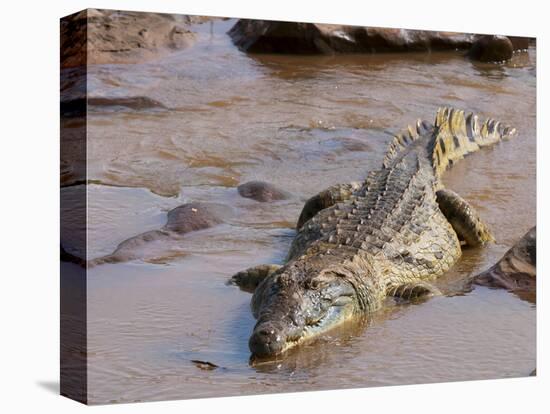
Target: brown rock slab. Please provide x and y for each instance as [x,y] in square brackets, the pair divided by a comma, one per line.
[516,271]
[114,36]
[261,36]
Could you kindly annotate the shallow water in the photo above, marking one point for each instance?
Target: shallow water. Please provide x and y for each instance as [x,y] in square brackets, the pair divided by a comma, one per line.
[302,123]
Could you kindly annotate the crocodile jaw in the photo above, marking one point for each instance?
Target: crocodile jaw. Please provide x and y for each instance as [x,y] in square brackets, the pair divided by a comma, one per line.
[272,343]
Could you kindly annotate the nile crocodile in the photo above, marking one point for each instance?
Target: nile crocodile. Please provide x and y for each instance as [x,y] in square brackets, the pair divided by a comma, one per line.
[359,243]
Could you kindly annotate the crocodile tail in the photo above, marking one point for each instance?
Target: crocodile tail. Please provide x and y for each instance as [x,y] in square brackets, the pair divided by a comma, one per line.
[457,134]
[402,140]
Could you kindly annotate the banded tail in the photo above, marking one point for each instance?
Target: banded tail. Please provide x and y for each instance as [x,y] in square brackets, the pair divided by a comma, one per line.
[455,134]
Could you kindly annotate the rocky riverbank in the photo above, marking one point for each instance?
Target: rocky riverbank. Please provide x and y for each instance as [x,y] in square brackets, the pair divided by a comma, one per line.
[124,37]
[261,36]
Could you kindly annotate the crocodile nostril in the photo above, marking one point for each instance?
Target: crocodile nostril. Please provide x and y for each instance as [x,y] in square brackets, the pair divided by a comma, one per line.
[265,333]
[266,341]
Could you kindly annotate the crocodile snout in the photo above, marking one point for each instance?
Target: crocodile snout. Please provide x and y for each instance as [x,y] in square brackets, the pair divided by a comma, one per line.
[266,340]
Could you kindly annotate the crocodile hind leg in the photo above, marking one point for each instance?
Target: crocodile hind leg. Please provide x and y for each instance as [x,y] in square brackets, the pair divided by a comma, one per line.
[465,220]
[249,279]
[325,199]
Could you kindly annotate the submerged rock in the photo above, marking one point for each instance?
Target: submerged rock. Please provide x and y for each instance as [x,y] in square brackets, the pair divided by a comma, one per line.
[262,191]
[192,217]
[65,256]
[261,36]
[78,107]
[516,271]
[204,365]
[492,49]
[132,102]
[180,221]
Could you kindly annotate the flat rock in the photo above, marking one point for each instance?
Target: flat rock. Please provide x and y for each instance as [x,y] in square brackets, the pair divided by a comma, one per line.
[262,191]
[262,36]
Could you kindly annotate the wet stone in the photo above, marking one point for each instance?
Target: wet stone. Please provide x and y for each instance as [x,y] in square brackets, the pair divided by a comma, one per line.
[492,49]
[262,191]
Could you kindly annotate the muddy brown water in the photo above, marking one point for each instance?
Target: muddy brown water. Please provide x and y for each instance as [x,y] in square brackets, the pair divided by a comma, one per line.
[302,123]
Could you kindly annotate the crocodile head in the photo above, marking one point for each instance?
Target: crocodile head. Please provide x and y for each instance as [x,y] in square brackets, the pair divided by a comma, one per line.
[291,307]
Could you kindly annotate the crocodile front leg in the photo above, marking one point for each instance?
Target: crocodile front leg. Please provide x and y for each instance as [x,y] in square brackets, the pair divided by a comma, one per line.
[249,279]
[465,220]
[325,199]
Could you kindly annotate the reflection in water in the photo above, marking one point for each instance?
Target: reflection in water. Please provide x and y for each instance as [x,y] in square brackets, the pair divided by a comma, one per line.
[301,124]
[520,59]
[317,352]
[490,70]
